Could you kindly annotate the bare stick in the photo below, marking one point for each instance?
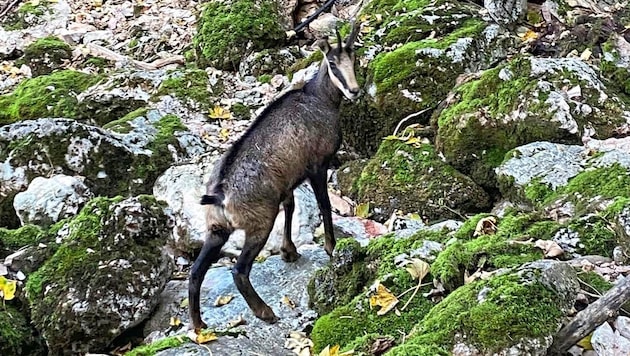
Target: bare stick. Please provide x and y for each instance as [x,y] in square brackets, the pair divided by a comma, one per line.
[410,116]
[591,317]
[9,7]
[102,52]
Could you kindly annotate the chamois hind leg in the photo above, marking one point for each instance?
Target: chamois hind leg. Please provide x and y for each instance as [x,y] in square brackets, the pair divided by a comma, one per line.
[255,240]
[288,250]
[209,254]
[318,182]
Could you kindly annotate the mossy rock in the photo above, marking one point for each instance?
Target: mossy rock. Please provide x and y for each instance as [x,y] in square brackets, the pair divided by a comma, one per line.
[227,32]
[518,311]
[192,87]
[105,277]
[411,177]
[53,95]
[45,55]
[429,43]
[350,317]
[28,14]
[16,335]
[27,235]
[113,164]
[518,103]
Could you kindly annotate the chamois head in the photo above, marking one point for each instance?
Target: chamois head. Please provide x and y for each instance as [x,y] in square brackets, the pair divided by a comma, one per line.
[340,63]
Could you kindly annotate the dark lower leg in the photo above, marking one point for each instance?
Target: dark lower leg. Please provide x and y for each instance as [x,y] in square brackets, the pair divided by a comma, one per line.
[209,254]
[289,252]
[318,182]
[240,272]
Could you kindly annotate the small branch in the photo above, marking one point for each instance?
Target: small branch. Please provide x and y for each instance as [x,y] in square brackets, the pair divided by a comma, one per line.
[410,116]
[591,317]
[412,295]
[8,8]
[102,52]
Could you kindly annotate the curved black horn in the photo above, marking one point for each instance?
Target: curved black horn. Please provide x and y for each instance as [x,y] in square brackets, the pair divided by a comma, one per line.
[338,38]
[353,35]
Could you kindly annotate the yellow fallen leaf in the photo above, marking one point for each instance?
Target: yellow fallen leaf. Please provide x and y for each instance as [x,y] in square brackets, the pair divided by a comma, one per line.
[223,300]
[383,298]
[204,336]
[417,268]
[288,302]
[334,351]
[529,36]
[585,343]
[362,210]
[7,288]
[175,321]
[218,112]
[486,226]
[224,133]
[184,303]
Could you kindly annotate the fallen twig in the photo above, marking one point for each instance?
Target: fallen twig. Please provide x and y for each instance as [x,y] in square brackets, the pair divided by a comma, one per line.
[410,116]
[8,8]
[591,317]
[102,52]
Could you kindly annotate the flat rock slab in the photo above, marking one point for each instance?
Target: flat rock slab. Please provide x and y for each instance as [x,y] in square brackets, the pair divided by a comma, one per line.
[273,279]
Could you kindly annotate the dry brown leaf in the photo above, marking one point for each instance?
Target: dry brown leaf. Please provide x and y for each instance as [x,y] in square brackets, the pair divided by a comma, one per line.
[469,278]
[223,300]
[550,248]
[486,226]
[383,298]
[288,302]
[417,268]
[236,322]
[204,336]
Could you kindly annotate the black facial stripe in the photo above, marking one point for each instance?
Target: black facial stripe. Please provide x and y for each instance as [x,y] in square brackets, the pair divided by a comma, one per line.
[337,73]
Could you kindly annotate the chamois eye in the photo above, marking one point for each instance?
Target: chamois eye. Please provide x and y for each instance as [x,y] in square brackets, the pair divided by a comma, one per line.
[332,64]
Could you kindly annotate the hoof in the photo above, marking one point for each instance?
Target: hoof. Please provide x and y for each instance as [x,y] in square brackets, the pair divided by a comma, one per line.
[290,256]
[198,326]
[267,315]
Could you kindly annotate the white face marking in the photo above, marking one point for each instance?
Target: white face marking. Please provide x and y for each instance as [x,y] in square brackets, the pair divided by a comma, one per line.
[345,67]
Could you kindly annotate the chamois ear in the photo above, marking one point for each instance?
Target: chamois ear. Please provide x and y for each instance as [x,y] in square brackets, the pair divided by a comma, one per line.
[323,46]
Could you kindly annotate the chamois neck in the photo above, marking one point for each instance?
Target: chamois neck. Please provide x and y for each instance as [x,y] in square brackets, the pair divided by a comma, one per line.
[323,87]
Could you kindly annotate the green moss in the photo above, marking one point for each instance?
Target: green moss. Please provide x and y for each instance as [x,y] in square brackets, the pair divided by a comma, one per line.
[241,111]
[511,310]
[594,283]
[467,230]
[122,125]
[52,95]
[27,14]
[223,31]
[608,182]
[265,78]
[418,350]
[316,56]
[16,335]
[413,178]
[538,192]
[45,55]
[188,85]
[133,42]
[97,62]
[24,236]
[491,251]
[596,235]
[159,345]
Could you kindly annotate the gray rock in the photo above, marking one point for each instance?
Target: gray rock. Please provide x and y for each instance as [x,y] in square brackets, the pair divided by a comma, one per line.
[268,62]
[555,275]
[552,163]
[93,36]
[506,11]
[106,276]
[622,325]
[273,279]
[48,200]
[359,228]
[607,342]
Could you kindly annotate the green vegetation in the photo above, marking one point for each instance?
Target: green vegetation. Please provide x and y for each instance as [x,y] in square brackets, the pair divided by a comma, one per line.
[191,84]
[45,55]
[16,335]
[159,345]
[24,236]
[511,310]
[224,31]
[26,15]
[412,175]
[51,95]
[122,125]
[316,56]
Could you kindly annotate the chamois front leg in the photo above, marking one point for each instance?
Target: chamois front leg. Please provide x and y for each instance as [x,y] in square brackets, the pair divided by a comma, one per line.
[209,254]
[254,243]
[288,250]
[318,182]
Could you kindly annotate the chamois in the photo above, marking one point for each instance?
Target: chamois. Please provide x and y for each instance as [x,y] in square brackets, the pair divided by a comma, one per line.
[292,140]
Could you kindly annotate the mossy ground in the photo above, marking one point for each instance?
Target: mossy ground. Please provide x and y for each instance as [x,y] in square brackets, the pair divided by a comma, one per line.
[224,31]
[24,236]
[189,85]
[511,310]
[412,178]
[26,15]
[162,344]
[45,55]
[16,335]
[51,95]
